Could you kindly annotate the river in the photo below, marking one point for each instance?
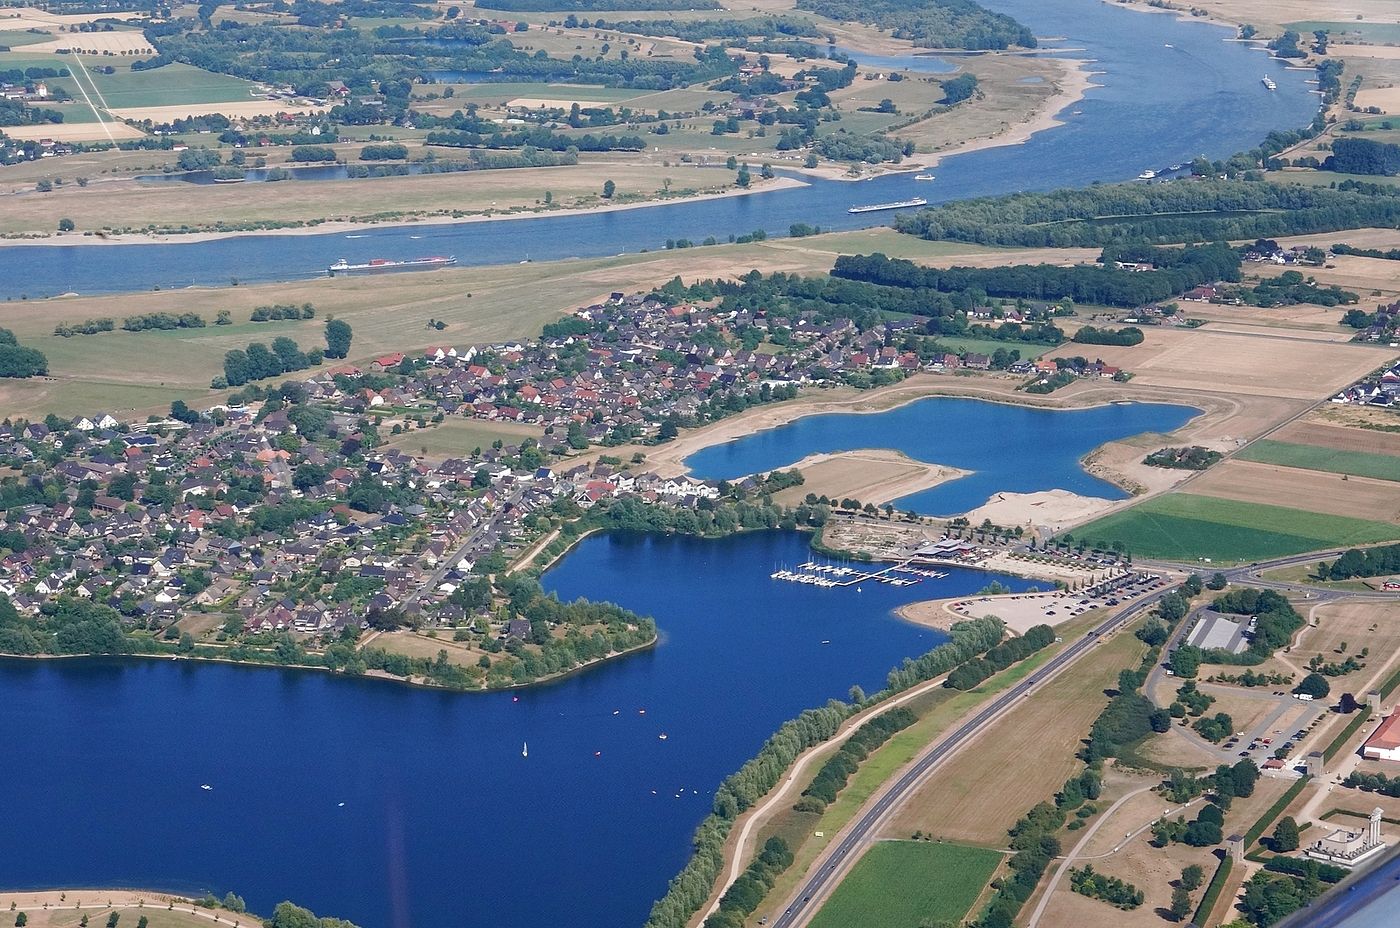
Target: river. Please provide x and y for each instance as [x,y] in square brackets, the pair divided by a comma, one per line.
[1171,90]
[443,821]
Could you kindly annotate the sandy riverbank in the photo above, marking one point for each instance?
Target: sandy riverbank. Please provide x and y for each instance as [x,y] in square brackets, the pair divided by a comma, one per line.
[335,226]
[1050,509]
[1075,80]
[62,908]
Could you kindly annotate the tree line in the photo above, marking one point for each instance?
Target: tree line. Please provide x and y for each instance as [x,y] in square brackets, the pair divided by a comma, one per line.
[18,361]
[1089,335]
[1110,286]
[971,674]
[1354,562]
[1186,210]
[832,776]
[931,23]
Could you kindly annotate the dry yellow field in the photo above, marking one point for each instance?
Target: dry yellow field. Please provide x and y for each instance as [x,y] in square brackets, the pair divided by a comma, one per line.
[1021,759]
[74,132]
[96,43]
[1235,363]
[1341,438]
[1335,494]
[236,109]
[877,476]
[31,18]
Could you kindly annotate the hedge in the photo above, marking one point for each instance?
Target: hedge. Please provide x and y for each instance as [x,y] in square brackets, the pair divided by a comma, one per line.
[1213,891]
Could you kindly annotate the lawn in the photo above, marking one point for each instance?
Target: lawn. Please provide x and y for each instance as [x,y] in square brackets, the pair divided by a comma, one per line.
[1184,527]
[167,86]
[457,437]
[900,884]
[1332,460]
[989,346]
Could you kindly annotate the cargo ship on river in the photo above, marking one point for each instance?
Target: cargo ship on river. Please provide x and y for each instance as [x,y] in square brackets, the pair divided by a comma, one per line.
[385,265]
[899,204]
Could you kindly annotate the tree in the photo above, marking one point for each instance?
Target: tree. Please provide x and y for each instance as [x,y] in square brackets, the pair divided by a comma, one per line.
[338,336]
[1217,581]
[1314,685]
[113,919]
[1285,835]
[1192,876]
[609,188]
[21,920]
[66,225]
[1181,903]
[743,179]
[180,410]
[234,903]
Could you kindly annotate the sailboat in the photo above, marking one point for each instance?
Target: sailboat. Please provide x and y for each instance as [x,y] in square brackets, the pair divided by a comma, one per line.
[524,749]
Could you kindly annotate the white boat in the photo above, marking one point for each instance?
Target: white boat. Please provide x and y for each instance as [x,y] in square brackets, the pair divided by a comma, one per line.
[1147,175]
[923,177]
[1269,83]
[524,749]
[205,786]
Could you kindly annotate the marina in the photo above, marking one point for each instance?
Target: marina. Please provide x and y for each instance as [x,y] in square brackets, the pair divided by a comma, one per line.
[818,574]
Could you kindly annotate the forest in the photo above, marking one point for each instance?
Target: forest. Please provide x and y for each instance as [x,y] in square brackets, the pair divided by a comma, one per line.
[1106,286]
[1371,562]
[931,23]
[1363,156]
[1188,210]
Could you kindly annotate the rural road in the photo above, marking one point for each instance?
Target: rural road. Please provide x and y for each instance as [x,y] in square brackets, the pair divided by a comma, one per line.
[832,866]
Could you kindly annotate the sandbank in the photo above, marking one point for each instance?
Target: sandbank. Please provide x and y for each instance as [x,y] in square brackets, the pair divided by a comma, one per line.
[878,476]
[335,226]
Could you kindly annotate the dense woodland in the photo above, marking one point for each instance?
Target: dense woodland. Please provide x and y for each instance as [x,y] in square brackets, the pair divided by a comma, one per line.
[1363,156]
[1177,270]
[1188,210]
[1371,562]
[931,23]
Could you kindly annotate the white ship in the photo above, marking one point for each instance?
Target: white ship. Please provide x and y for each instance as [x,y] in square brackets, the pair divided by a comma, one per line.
[899,204]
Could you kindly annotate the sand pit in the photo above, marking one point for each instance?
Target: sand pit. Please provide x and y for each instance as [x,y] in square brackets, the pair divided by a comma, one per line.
[234,110]
[1356,497]
[73,132]
[1052,509]
[875,476]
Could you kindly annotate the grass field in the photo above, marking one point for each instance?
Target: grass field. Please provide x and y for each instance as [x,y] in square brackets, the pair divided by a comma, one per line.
[988,346]
[1181,526]
[457,437]
[1332,460]
[901,884]
[1369,33]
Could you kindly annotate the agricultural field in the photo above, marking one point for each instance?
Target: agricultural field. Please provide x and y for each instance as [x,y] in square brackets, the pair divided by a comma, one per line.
[982,791]
[1362,32]
[1184,526]
[902,883]
[1316,491]
[1331,460]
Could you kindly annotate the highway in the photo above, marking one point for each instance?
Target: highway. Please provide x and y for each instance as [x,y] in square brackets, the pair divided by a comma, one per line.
[832,866]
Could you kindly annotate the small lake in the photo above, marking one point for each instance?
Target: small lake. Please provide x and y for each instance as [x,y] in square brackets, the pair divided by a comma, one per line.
[1010,448]
[443,821]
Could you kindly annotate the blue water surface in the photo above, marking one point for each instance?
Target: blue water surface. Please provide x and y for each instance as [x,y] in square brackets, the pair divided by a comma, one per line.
[1009,448]
[1170,90]
[444,821]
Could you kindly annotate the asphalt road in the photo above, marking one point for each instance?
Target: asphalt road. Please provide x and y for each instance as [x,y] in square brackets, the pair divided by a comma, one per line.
[837,860]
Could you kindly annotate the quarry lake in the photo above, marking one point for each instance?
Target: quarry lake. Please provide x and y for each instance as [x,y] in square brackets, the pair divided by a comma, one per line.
[1018,449]
[444,822]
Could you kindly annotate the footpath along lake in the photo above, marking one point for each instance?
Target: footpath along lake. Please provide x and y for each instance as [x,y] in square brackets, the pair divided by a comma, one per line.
[1019,449]
[1171,90]
[444,822]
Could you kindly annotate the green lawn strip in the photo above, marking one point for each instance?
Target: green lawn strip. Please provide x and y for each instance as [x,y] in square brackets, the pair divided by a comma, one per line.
[1183,526]
[170,85]
[989,346]
[1346,734]
[1376,33]
[1331,460]
[1262,823]
[1213,891]
[902,883]
[13,38]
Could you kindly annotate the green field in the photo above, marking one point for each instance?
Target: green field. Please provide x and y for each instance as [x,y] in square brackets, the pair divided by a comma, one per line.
[170,85]
[1332,460]
[1183,527]
[989,346]
[457,437]
[902,884]
[15,37]
[1369,33]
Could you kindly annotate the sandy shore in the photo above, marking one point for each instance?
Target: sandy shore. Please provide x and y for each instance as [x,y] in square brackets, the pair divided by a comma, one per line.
[332,227]
[1075,80]
[1050,509]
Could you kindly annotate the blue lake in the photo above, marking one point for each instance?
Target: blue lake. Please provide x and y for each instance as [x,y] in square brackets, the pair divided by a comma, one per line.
[444,822]
[1010,448]
[1157,105]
